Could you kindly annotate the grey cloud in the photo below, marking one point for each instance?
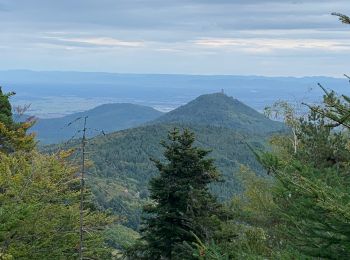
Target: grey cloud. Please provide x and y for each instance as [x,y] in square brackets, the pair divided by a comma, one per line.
[168,27]
[175,15]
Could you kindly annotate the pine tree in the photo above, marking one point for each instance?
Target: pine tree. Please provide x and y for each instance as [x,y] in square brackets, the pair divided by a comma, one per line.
[183,207]
[5,108]
[312,188]
[13,136]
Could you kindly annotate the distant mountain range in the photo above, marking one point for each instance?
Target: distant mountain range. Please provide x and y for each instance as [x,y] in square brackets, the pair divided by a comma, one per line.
[54,93]
[101,120]
[121,160]
[207,110]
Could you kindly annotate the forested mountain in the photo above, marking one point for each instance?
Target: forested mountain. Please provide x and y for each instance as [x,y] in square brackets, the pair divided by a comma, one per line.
[223,111]
[105,118]
[121,161]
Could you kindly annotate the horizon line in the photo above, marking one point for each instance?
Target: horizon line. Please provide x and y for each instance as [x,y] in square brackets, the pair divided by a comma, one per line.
[174,74]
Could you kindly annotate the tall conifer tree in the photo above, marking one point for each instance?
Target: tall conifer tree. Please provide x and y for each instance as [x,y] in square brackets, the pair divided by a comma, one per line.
[5,108]
[13,136]
[183,207]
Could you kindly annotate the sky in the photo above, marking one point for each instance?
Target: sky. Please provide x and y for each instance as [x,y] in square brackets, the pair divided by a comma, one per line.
[237,37]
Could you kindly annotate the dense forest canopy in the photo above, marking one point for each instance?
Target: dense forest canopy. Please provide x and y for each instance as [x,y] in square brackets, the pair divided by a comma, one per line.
[121,161]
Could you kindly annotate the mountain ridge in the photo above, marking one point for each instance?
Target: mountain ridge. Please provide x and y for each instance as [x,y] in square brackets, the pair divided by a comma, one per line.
[104,118]
[220,110]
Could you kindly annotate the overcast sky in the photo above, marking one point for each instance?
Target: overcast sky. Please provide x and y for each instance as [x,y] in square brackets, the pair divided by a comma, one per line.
[260,37]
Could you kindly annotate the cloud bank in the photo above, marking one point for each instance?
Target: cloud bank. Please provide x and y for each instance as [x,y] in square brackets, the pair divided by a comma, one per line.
[267,37]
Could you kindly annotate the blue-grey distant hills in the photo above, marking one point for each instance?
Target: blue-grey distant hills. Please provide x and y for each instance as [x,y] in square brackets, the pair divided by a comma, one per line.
[62,93]
[102,119]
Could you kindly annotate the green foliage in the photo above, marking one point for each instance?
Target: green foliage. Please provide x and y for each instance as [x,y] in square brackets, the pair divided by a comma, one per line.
[335,108]
[312,192]
[222,111]
[322,146]
[343,18]
[208,252]
[253,232]
[39,209]
[288,113]
[120,236]
[317,214]
[181,202]
[122,169]
[302,211]
[39,200]
[13,136]
[5,109]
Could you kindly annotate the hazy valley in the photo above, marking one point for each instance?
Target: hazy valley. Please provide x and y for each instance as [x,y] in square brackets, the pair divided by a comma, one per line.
[55,94]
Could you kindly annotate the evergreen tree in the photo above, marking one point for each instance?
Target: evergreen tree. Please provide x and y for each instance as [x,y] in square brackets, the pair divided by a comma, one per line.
[39,200]
[5,108]
[183,207]
[13,136]
[312,189]
[39,209]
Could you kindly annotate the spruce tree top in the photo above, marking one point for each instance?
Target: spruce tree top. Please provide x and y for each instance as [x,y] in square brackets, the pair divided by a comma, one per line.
[183,207]
[187,165]
[13,136]
[5,109]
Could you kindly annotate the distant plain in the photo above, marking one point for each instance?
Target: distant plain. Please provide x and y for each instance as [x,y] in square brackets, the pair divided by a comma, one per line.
[55,94]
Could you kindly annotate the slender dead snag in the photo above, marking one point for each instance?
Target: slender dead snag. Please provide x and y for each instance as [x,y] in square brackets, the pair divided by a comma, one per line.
[82,186]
